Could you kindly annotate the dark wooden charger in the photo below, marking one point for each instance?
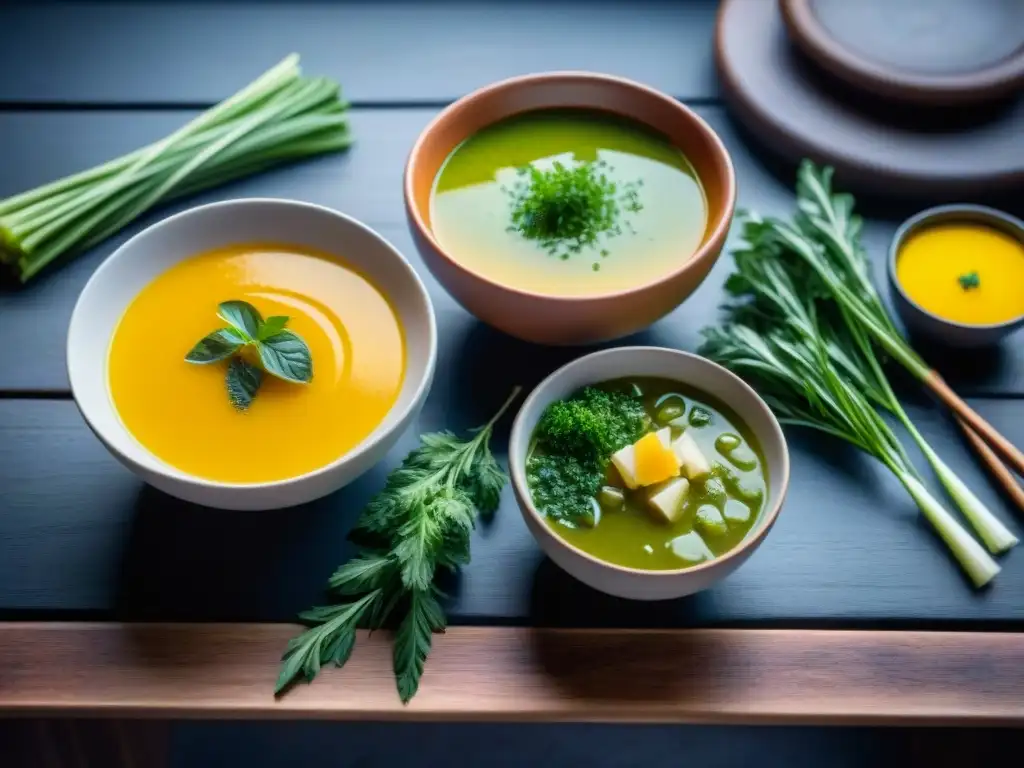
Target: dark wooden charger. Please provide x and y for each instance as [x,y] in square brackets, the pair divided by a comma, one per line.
[82,539]
[797,109]
[925,52]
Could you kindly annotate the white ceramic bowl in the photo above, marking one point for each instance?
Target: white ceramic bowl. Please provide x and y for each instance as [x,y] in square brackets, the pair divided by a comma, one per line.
[136,263]
[683,367]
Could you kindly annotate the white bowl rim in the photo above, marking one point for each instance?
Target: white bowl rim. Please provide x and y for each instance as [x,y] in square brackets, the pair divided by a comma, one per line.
[159,466]
[517,468]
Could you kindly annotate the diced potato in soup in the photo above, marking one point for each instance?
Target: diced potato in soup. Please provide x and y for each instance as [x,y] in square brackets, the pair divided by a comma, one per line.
[667,499]
[693,460]
[648,461]
[654,499]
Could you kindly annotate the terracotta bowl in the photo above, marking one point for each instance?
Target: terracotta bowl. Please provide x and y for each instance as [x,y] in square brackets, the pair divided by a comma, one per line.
[696,371]
[556,319]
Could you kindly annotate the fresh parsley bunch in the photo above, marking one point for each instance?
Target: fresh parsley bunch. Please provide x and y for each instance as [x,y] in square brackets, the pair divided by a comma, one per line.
[421,521]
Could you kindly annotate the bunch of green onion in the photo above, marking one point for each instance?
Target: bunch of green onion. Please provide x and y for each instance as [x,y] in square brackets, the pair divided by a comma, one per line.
[807,327]
[280,117]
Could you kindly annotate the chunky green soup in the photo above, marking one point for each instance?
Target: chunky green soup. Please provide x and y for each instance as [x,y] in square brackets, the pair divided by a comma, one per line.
[568,202]
[586,453]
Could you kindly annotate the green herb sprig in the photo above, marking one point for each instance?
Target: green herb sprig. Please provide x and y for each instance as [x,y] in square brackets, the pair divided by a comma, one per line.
[808,326]
[566,209]
[572,443]
[419,524]
[804,387]
[969,280]
[282,353]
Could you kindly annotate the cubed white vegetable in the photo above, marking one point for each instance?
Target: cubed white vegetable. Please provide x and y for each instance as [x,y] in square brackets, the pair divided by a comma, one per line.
[665,436]
[695,464]
[625,461]
[690,548]
[666,499]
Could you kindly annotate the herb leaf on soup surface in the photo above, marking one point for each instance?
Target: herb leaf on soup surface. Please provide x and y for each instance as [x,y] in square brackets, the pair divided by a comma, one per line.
[271,326]
[243,382]
[215,346]
[282,353]
[969,280]
[286,356]
[565,209]
[242,316]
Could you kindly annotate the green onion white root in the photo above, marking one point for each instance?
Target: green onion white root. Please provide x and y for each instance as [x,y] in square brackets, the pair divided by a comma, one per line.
[815,351]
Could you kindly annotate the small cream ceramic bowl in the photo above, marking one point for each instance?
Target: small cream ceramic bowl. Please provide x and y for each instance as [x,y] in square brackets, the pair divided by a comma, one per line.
[136,263]
[686,368]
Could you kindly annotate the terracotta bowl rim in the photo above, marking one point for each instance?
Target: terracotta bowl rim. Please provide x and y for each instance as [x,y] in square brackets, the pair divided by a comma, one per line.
[708,247]
[750,543]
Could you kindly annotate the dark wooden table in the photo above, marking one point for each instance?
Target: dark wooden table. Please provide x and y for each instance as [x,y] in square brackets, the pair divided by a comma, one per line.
[850,612]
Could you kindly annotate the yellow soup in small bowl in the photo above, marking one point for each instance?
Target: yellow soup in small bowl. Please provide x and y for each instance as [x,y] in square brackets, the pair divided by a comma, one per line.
[182,413]
[964,271]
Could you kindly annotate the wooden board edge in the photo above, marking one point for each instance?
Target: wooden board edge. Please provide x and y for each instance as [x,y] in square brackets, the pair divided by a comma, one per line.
[749,676]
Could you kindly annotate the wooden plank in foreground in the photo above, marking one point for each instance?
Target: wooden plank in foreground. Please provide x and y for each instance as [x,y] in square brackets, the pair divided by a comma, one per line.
[515,674]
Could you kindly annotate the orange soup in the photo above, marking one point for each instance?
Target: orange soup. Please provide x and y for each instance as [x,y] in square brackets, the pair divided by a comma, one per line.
[181,412]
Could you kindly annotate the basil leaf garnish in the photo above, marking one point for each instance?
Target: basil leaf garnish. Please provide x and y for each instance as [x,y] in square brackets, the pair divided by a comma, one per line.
[271,326]
[282,353]
[243,382]
[243,316]
[216,346]
[286,356]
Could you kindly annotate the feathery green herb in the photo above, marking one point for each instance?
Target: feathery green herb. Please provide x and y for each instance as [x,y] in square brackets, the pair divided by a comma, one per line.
[572,445]
[812,350]
[566,209]
[278,118]
[801,383]
[969,280]
[419,524]
[281,352]
[593,422]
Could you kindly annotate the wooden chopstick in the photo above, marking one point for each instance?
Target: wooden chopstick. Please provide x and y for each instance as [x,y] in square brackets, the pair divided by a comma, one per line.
[995,466]
[984,431]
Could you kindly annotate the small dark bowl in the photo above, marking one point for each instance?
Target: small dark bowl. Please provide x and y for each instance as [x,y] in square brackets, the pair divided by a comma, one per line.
[920,320]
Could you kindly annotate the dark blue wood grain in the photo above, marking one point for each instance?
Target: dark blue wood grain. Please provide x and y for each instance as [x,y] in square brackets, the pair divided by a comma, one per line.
[366,183]
[80,536]
[78,533]
[382,52]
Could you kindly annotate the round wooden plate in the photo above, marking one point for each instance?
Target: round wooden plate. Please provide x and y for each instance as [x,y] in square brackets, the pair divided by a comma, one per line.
[794,109]
[935,52]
